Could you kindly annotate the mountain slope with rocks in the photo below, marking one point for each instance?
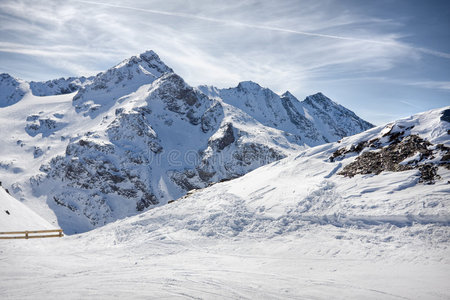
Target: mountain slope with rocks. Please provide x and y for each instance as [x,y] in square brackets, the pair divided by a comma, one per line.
[313,121]
[88,151]
[59,86]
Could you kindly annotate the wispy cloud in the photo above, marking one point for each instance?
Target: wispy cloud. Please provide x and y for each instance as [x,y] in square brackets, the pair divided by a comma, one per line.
[409,103]
[228,22]
[236,23]
[220,47]
[286,44]
[444,85]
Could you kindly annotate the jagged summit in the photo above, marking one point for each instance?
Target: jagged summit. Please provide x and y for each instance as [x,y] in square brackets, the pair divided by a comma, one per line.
[58,86]
[288,94]
[319,99]
[248,86]
[313,121]
[118,81]
[148,61]
[319,96]
[335,119]
[141,69]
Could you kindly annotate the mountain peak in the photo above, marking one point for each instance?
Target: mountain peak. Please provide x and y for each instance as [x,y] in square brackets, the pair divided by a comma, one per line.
[288,94]
[120,80]
[318,97]
[148,62]
[149,54]
[248,85]
[320,100]
[338,120]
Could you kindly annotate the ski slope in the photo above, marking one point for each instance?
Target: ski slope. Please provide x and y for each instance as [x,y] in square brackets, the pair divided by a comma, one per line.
[311,265]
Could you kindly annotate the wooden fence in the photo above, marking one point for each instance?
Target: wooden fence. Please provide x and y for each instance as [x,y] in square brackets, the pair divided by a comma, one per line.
[31,234]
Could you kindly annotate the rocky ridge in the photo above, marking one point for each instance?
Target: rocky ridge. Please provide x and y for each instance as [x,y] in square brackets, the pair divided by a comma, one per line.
[396,150]
[313,121]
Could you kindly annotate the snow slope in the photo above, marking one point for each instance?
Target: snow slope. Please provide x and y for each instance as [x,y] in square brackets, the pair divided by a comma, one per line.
[298,228]
[137,136]
[15,216]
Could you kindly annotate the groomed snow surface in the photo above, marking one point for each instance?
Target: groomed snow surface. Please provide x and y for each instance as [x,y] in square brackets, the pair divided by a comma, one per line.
[294,229]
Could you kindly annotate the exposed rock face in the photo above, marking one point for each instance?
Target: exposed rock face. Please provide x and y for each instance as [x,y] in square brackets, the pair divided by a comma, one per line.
[181,99]
[132,128]
[111,165]
[40,124]
[446,115]
[396,151]
[226,138]
[93,170]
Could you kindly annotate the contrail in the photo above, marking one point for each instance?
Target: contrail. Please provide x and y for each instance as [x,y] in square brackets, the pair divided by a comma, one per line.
[270,28]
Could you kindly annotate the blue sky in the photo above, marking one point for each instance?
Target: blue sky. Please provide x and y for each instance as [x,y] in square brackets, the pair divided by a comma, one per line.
[383,59]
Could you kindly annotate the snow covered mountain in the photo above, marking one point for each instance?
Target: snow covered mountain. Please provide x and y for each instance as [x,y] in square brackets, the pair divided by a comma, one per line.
[137,135]
[313,121]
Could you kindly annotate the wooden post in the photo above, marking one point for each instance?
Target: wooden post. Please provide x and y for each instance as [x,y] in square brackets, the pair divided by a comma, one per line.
[26,235]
